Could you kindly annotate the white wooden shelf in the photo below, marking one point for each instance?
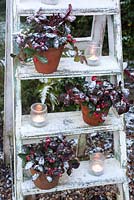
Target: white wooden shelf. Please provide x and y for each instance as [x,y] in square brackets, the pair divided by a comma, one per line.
[82,178]
[87,8]
[68,68]
[68,123]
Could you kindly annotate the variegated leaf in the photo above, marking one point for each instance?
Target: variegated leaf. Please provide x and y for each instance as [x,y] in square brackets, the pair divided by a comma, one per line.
[35,176]
[29,165]
[49,178]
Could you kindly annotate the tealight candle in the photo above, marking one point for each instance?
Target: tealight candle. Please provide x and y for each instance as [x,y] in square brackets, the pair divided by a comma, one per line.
[93,53]
[38,114]
[97,164]
[97,168]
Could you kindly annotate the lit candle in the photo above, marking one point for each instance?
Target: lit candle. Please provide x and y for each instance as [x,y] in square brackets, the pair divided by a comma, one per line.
[38,118]
[38,114]
[97,164]
[92,60]
[97,168]
[38,107]
[92,54]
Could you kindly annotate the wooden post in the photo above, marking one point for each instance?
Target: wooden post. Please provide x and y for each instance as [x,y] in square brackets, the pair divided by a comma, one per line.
[8,84]
[110,36]
[98,28]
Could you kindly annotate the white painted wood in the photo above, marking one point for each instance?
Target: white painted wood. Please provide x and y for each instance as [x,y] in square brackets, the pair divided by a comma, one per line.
[81,178]
[119,195]
[66,123]
[118,39]
[16,17]
[126,190]
[98,29]
[69,68]
[108,7]
[120,148]
[8,84]
[18,143]
[82,42]
[71,123]
[110,35]
[123,191]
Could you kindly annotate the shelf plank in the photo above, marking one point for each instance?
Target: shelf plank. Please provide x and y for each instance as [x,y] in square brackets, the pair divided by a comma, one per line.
[82,178]
[105,7]
[68,123]
[68,68]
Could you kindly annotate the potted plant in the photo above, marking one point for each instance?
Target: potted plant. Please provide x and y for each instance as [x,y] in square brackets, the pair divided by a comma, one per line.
[44,38]
[49,159]
[96,98]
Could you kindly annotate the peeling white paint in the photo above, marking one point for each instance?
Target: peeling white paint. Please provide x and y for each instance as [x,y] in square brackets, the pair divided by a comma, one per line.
[71,123]
[82,178]
[56,123]
[68,68]
[79,8]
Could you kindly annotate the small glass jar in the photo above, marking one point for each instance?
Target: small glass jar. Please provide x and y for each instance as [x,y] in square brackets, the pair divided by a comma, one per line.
[97,164]
[38,114]
[50,2]
[93,53]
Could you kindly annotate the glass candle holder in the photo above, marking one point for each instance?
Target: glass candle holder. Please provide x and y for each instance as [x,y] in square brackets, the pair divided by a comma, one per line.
[50,2]
[93,53]
[38,114]
[97,164]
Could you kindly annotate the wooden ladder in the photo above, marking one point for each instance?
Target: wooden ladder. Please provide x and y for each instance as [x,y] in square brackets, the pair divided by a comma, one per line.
[18,131]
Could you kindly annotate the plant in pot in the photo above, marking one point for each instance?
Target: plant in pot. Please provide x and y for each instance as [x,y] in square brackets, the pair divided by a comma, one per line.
[96,98]
[44,39]
[49,159]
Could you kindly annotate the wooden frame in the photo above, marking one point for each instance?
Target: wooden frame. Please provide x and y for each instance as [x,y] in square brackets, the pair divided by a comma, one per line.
[15,124]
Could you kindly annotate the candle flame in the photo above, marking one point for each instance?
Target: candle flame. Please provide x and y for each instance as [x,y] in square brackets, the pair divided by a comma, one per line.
[38,107]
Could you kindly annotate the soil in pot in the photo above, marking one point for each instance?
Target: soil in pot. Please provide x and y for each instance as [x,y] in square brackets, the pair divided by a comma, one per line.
[42,183]
[53,56]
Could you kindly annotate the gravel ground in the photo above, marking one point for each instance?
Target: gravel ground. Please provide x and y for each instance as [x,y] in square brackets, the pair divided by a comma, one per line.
[105,144]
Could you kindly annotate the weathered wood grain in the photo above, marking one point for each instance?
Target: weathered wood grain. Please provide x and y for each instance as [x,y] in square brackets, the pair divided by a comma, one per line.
[108,7]
[82,178]
[67,123]
[68,68]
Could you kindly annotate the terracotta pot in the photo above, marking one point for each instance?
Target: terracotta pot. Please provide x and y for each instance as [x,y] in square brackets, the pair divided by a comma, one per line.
[94,119]
[53,56]
[42,183]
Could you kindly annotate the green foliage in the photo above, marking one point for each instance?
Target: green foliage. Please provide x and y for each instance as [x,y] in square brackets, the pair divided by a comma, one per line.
[2,9]
[42,59]
[127,11]
[30,94]
[43,32]
[81,27]
[29,51]
[51,89]
[51,155]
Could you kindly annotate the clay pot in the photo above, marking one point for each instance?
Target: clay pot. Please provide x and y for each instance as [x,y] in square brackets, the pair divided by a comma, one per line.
[94,119]
[53,56]
[42,183]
